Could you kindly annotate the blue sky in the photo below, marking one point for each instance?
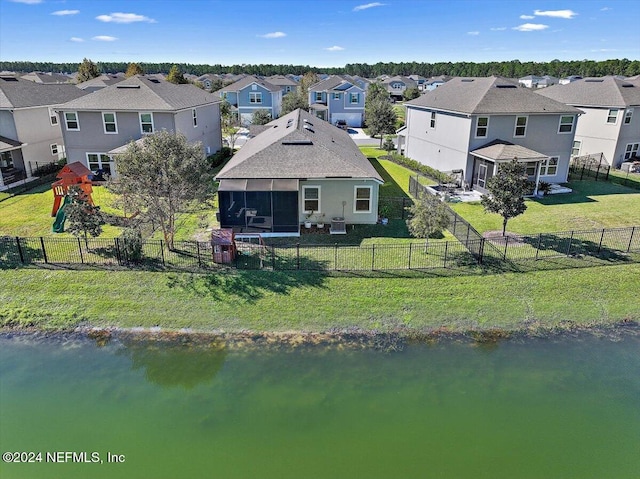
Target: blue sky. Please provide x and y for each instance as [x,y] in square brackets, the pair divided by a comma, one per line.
[318,32]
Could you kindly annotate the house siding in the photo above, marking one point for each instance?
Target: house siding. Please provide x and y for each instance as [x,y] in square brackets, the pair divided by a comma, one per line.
[333,192]
[33,127]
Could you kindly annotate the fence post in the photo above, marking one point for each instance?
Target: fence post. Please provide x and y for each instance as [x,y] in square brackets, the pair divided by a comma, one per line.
[481,251]
[538,247]
[633,230]
[198,253]
[506,244]
[373,256]
[601,238]
[162,252]
[582,172]
[446,249]
[273,258]
[44,252]
[455,222]
[22,254]
[606,176]
[298,255]
[569,247]
[118,254]
[597,172]
[466,243]
[80,249]
[335,257]
[410,250]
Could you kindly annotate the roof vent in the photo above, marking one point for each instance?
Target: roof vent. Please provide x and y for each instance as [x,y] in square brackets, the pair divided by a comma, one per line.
[8,78]
[307,122]
[308,128]
[128,86]
[154,80]
[506,86]
[297,142]
[594,80]
[290,122]
[467,80]
[627,85]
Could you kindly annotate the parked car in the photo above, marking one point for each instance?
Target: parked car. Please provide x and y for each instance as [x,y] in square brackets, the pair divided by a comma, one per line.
[342,124]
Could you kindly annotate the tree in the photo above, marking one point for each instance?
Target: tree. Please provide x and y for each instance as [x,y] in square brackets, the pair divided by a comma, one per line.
[411,93]
[83,218]
[229,123]
[389,146]
[427,217]
[134,69]
[506,191]
[163,176]
[176,76]
[380,116]
[87,70]
[293,101]
[260,117]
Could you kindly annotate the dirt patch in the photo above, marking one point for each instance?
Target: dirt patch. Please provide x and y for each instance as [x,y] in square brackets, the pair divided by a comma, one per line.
[496,238]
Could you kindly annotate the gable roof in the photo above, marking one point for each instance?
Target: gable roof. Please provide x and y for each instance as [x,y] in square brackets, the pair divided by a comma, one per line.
[604,92]
[488,95]
[298,146]
[138,93]
[18,93]
[281,80]
[41,77]
[501,150]
[100,82]
[398,78]
[334,82]
[248,80]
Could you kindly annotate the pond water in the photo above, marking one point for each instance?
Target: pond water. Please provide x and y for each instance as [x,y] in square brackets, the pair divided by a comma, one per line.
[534,409]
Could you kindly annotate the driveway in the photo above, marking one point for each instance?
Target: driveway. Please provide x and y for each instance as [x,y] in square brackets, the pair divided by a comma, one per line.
[361,138]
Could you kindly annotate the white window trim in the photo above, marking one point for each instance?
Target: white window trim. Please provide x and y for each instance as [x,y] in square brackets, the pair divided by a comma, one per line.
[628,115]
[194,115]
[153,126]
[432,120]
[560,124]
[516,126]
[257,97]
[351,98]
[104,122]
[478,126]
[100,162]
[573,147]
[336,95]
[544,166]
[355,198]
[66,121]
[304,198]
[317,95]
[629,152]
[54,146]
[617,110]
[53,116]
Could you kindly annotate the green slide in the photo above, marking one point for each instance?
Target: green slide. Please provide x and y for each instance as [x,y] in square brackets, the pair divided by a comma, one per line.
[61,216]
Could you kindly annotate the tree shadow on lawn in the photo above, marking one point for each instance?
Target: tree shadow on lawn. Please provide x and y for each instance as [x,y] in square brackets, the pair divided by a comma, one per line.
[583,191]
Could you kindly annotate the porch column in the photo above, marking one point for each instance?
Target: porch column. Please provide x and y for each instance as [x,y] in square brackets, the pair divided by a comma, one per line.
[538,167]
[1,180]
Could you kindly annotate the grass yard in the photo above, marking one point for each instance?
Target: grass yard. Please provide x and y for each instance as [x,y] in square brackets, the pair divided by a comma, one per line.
[280,301]
[626,179]
[592,205]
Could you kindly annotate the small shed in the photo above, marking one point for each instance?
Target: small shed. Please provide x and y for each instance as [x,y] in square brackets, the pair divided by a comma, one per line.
[223,245]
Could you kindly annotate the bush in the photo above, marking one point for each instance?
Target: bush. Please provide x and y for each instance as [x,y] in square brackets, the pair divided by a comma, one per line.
[418,167]
[131,241]
[220,156]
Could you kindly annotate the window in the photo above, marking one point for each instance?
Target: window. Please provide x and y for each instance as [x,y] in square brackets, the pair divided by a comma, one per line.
[255,97]
[109,123]
[631,150]
[549,167]
[195,117]
[612,116]
[311,199]
[531,168]
[6,160]
[99,161]
[521,126]
[336,96]
[53,118]
[482,126]
[566,124]
[146,123]
[318,96]
[354,97]
[362,199]
[432,123]
[627,116]
[54,149]
[71,121]
[575,149]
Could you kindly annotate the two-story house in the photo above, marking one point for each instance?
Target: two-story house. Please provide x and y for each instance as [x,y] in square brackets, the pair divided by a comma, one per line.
[285,83]
[30,134]
[535,81]
[473,124]
[397,85]
[95,126]
[336,99]
[250,94]
[610,125]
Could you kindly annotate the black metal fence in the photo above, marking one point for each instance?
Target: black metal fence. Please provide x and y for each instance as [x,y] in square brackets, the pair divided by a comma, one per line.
[586,170]
[607,244]
[394,207]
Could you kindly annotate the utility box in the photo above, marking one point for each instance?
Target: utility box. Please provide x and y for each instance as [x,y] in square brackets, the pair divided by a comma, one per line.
[223,245]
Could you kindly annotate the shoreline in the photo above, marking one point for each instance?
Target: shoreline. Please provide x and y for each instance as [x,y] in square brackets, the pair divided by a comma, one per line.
[352,338]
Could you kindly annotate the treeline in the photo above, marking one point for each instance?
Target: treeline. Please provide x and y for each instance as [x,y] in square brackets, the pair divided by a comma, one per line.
[512,69]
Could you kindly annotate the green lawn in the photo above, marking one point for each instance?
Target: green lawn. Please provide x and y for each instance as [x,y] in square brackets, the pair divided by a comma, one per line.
[592,205]
[279,301]
[626,179]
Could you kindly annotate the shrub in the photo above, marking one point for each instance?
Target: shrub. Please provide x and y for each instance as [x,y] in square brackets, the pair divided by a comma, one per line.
[132,244]
[418,167]
[220,156]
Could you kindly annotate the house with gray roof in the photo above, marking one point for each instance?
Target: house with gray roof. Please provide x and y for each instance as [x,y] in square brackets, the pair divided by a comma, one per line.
[96,125]
[285,83]
[397,85]
[609,128]
[473,124]
[99,82]
[434,82]
[250,94]
[338,98]
[535,81]
[299,168]
[41,77]
[30,133]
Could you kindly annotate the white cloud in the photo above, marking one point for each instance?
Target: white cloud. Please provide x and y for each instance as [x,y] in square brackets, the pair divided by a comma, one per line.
[531,27]
[119,17]
[104,38]
[77,39]
[568,14]
[473,33]
[334,48]
[28,2]
[605,9]
[604,50]
[498,29]
[273,35]
[61,13]
[527,17]
[368,5]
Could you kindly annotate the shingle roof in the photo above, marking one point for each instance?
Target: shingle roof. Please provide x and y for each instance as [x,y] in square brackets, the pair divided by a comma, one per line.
[7,144]
[248,80]
[40,77]
[605,92]
[100,82]
[330,83]
[281,80]
[141,93]
[299,145]
[489,95]
[501,150]
[18,93]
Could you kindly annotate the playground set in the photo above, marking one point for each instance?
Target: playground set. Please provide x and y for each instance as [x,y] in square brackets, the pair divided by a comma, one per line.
[73,174]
